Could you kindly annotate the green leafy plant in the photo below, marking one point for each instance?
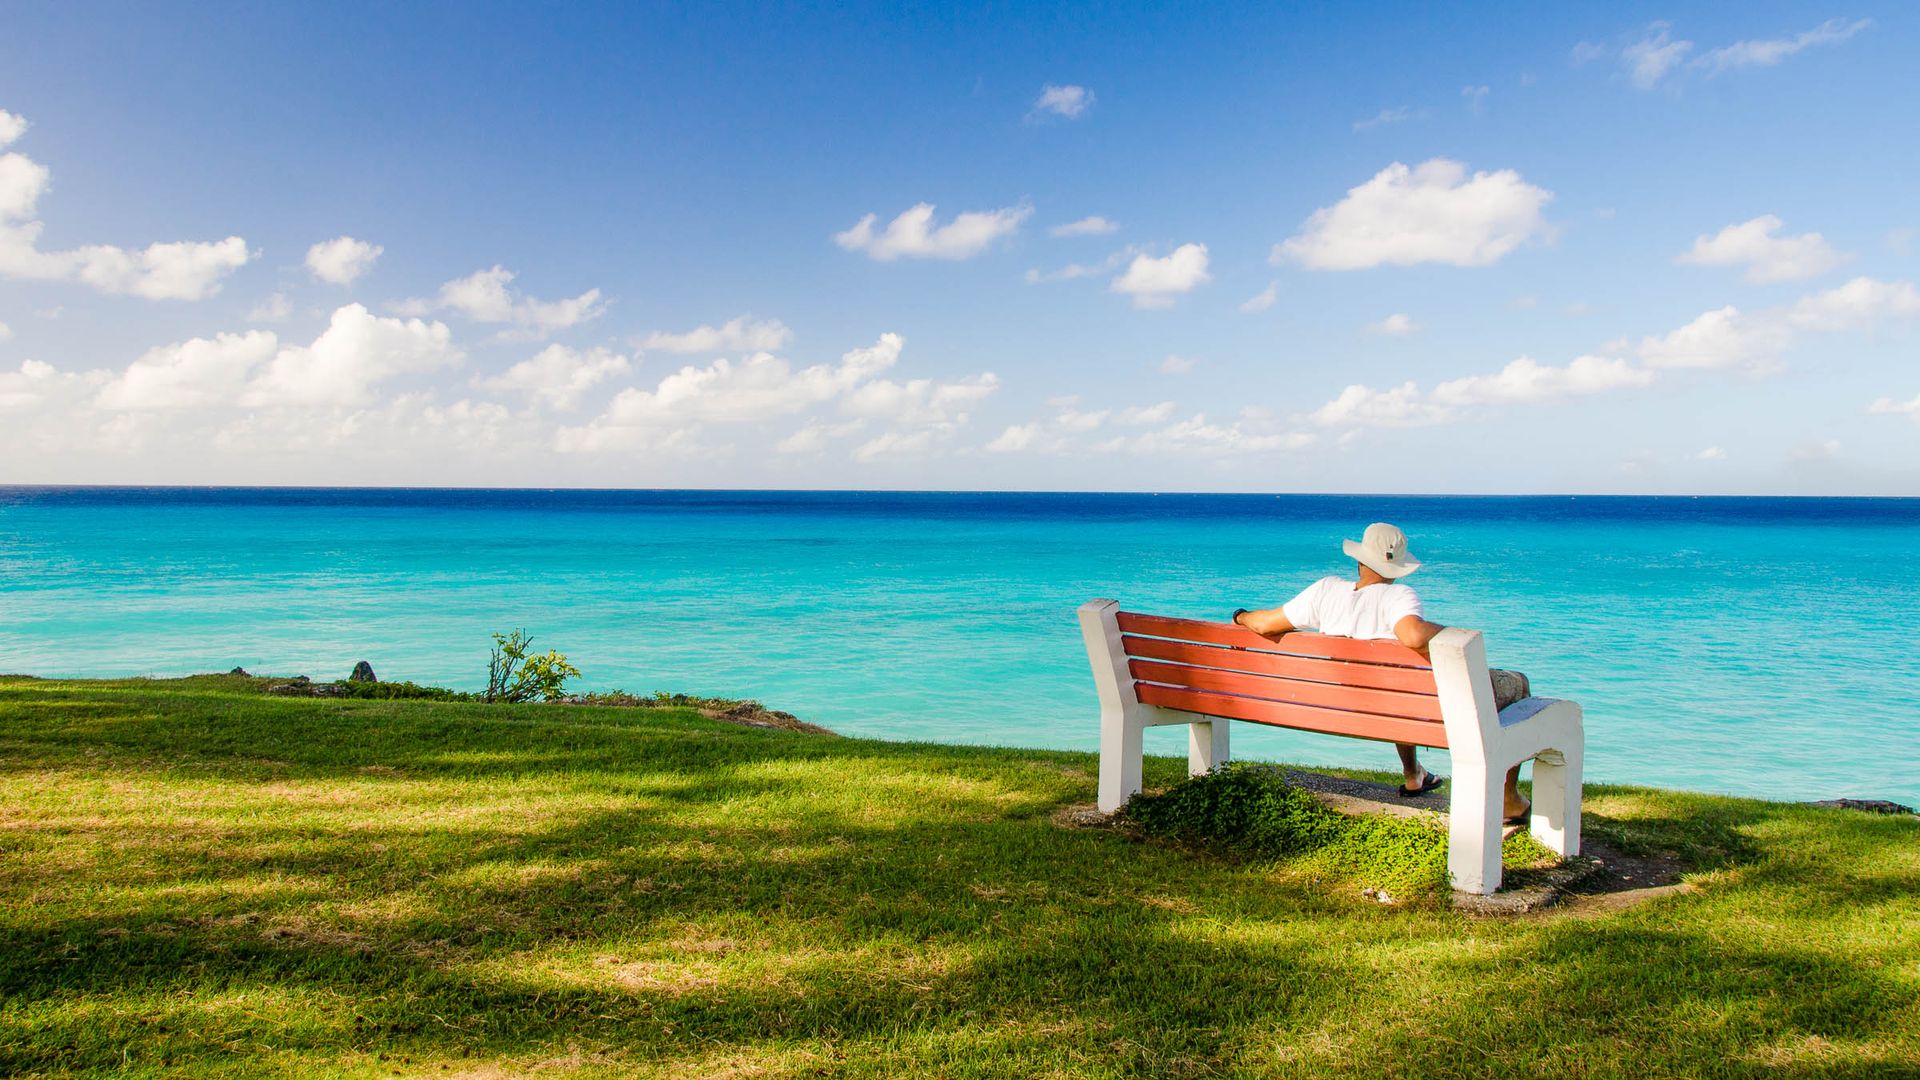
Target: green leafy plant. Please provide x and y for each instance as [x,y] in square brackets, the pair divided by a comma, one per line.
[398,691]
[1242,808]
[514,674]
[1251,811]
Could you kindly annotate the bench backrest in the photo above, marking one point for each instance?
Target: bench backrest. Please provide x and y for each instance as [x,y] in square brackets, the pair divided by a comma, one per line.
[1364,689]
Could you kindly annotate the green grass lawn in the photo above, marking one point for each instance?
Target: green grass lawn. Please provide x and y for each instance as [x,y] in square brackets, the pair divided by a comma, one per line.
[198,879]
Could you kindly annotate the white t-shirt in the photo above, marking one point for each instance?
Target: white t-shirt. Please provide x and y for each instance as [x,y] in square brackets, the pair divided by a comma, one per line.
[1333,606]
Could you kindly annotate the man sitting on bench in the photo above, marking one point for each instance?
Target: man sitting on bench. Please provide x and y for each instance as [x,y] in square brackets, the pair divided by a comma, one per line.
[1378,607]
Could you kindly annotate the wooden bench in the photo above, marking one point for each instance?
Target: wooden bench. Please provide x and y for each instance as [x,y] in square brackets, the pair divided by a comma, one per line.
[1152,670]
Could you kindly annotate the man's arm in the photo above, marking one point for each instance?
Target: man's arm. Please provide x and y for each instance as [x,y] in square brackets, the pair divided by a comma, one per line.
[1272,623]
[1415,632]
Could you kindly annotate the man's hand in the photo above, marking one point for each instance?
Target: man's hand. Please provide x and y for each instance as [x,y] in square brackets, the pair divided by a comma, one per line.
[1270,623]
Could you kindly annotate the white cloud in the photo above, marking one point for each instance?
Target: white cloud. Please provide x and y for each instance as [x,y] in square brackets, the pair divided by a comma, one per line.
[179,270]
[1719,339]
[913,235]
[1767,256]
[919,401]
[1086,226]
[1135,415]
[1476,98]
[1199,437]
[765,387]
[1526,381]
[901,444]
[815,438]
[1399,406]
[1766,52]
[6,332]
[409,428]
[485,297]
[1825,450]
[357,351]
[1586,52]
[1073,271]
[1156,283]
[1057,434]
[1431,213]
[342,259]
[1856,303]
[1397,115]
[22,182]
[557,375]
[1176,365]
[197,372]
[1722,338]
[275,308]
[1729,338]
[1398,324]
[1069,101]
[39,387]
[1890,407]
[1711,453]
[1263,299]
[1656,56]
[1900,241]
[1653,57]
[739,334]
[1015,438]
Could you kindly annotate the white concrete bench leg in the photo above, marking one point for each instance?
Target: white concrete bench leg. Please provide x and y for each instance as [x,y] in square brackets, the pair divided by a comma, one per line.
[1474,826]
[1123,720]
[1120,754]
[1556,800]
[1206,746]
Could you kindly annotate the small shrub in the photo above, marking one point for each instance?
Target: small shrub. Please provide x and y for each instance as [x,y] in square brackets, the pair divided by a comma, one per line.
[399,691]
[1241,807]
[1252,811]
[513,675]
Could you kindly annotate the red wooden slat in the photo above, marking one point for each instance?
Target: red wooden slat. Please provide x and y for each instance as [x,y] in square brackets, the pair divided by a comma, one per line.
[1302,717]
[1350,698]
[1297,643]
[1338,672]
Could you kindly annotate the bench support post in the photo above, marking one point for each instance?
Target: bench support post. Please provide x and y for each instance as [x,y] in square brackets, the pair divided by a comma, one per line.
[1123,719]
[1474,829]
[1556,799]
[1207,745]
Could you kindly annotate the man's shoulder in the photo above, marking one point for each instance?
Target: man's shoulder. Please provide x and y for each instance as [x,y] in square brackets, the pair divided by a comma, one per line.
[1326,585]
[1401,596]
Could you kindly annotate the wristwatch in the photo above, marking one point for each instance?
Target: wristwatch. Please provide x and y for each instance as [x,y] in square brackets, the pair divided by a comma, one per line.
[1237,612]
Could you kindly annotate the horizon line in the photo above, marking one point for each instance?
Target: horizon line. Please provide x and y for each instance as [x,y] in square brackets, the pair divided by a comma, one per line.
[951,491]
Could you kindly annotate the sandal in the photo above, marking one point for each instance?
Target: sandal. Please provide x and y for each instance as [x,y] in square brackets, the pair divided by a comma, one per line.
[1426,785]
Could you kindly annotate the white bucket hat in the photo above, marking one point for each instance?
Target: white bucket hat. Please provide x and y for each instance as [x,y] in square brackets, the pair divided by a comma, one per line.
[1383,549]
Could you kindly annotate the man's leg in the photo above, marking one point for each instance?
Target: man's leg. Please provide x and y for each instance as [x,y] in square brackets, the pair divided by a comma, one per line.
[1509,687]
[1413,776]
[1517,804]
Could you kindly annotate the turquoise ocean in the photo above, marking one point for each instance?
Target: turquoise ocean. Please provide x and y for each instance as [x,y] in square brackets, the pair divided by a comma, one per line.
[1755,646]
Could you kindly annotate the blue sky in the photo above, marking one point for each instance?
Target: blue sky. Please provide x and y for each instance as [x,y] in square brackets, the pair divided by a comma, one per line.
[1622,248]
